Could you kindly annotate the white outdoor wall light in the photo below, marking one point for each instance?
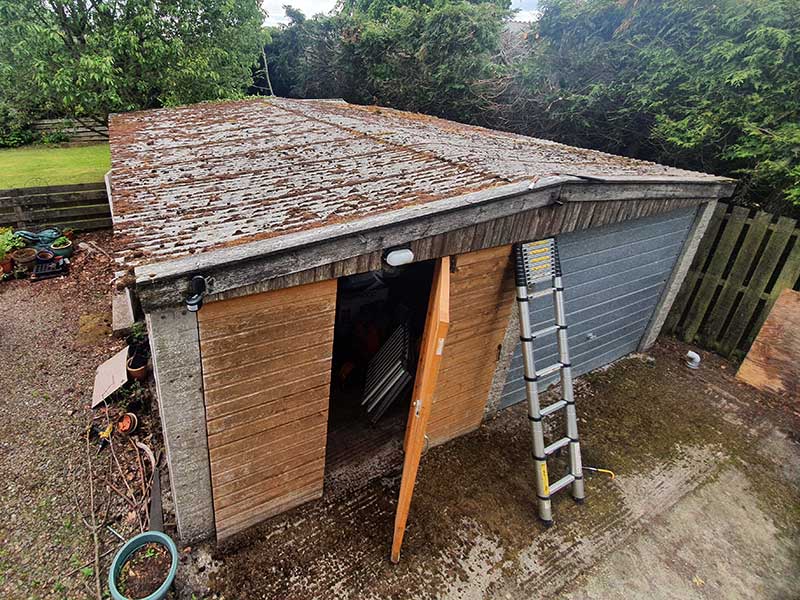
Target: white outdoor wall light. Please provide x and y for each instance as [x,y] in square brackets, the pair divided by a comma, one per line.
[398,257]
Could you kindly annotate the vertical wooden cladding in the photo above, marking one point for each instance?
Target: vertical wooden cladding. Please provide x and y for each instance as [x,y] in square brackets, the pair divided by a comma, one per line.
[481,299]
[266,374]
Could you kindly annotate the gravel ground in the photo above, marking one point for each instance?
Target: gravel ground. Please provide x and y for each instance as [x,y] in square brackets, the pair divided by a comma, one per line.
[46,378]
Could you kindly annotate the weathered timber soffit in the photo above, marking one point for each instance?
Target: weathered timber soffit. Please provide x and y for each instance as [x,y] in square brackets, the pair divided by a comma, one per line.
[165,283]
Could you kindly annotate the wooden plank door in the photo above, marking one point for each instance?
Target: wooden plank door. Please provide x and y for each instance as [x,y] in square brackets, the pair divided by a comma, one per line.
[430,357]
[481,301]
[266,375]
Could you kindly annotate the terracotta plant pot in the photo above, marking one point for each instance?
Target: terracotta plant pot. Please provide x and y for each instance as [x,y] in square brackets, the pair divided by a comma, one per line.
[65,251]
[128,423]
[6,264]
[137,367]
[44,257]
[24,257]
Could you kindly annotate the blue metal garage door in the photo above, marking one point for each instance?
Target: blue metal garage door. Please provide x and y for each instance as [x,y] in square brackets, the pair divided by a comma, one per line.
[613,278]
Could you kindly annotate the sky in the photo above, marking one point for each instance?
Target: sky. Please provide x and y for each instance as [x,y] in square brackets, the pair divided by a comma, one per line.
[274,8]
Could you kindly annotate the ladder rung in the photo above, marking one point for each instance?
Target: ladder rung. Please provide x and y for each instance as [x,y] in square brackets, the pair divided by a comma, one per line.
[549,410]
[556,445]
[540,294]
[547,275]
[545,331]
[562,483]
[548,370]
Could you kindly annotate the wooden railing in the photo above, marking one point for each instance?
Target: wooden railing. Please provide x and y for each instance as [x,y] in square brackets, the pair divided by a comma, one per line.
[83,206]
[744,261]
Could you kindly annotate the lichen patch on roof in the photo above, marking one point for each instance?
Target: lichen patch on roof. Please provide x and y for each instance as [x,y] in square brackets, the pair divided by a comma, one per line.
[196,178]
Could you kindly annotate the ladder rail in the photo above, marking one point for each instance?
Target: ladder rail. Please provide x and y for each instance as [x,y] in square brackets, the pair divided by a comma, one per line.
[568,392]
[542,257]
[532,391]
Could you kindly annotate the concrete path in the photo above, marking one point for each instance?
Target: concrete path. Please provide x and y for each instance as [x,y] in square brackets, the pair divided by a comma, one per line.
[714,543]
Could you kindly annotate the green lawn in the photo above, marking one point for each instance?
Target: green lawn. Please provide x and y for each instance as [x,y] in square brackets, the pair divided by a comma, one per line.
[34,166]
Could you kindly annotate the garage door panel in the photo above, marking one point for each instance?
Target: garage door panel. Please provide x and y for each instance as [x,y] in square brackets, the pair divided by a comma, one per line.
[607,258]
[613,278]
[590,333]
[600,238]
[581,283]
[603,298]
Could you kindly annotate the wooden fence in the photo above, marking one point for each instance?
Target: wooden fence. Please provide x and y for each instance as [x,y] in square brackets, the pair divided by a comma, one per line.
[744,261]
[83,207]
[78,132]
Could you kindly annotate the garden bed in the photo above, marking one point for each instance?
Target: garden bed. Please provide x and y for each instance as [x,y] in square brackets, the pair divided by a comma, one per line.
[53,336]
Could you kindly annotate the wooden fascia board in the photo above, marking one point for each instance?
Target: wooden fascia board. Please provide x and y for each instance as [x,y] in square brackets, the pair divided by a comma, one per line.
[166,283]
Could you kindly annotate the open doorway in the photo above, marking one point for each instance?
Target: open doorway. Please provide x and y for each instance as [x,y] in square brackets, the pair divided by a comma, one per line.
[380,317]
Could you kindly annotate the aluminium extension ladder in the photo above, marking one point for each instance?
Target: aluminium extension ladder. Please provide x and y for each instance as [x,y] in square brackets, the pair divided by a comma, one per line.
[537,263]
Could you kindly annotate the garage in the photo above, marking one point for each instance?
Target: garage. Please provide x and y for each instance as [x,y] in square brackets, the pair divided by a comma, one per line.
[278,249]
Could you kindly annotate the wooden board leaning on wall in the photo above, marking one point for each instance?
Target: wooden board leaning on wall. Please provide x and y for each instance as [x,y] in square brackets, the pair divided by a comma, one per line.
[773,363]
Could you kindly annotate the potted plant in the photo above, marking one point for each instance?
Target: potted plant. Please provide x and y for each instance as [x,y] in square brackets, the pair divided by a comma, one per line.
[137,367]
[144,567]
[6,264]
[8,243]
[138,352]
[44,256]
[24,257]
[62,246]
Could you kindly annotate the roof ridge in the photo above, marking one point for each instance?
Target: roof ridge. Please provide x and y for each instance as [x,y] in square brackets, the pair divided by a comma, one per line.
[397,145]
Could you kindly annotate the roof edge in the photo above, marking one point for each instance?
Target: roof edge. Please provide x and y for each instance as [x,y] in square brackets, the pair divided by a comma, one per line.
[165,283]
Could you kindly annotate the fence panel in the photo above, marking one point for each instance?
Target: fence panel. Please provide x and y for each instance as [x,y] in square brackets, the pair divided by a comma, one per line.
[83,206]
[78,132]
[744,261]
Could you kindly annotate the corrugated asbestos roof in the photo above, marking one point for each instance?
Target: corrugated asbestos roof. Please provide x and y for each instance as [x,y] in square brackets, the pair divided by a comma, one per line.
[207,176]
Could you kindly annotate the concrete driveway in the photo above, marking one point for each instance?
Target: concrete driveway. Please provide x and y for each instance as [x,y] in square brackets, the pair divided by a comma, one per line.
[706,504]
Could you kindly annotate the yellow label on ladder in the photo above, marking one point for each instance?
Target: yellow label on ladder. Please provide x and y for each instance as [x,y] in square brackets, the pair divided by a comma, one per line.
[545,481]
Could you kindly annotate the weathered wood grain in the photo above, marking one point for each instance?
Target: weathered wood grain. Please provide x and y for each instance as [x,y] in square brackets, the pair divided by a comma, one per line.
[773,363]
[735,279]
[742,264]
[266,374]
[82,206]
[713,274]
[522,226]
[754,291]
[482,294]
[475,221]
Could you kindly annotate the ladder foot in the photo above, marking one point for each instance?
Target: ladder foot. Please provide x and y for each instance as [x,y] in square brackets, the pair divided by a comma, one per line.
[579,500]
[547,524]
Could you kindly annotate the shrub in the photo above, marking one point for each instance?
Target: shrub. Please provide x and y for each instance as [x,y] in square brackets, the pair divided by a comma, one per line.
[15,127]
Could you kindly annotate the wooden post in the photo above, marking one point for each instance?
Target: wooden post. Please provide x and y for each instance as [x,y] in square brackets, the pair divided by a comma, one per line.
[430,358]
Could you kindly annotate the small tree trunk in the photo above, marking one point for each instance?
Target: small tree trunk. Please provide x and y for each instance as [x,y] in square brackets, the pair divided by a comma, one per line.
[266,71]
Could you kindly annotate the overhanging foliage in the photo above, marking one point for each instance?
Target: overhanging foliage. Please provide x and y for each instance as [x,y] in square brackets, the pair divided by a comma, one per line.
[706,86]
[68,57]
